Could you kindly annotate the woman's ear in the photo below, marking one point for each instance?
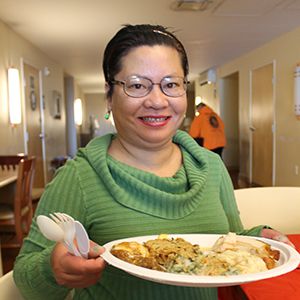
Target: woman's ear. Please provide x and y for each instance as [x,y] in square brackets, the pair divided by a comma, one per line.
[108,96]
[107,88]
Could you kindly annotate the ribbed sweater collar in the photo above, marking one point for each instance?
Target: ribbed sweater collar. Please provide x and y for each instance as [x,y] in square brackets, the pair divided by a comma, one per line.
[168,198]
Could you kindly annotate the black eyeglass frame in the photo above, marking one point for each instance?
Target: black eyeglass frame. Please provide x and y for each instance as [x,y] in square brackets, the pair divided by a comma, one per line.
[123,83]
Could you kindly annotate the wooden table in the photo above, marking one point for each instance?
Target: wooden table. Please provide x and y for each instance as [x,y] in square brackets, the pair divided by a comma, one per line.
[8,181]
[7,178]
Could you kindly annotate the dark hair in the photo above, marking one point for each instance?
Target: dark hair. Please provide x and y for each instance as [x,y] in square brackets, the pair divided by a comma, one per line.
[131,36]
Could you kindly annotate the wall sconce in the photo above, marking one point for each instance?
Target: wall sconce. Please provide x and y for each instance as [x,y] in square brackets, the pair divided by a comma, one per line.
[297,91]
[78,111]
[14,96]
[198,100]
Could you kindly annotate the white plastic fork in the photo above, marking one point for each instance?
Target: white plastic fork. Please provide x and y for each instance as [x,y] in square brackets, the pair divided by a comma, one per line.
[67,223]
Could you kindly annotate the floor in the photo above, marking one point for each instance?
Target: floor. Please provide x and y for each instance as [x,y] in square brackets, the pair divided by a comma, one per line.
[8,256]
[237,181]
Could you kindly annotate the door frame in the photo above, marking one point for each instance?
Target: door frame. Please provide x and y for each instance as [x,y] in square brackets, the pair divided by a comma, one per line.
[42,132]
[223,112]
[273,62]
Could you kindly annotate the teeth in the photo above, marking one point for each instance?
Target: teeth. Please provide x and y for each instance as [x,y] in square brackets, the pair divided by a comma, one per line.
[154,119]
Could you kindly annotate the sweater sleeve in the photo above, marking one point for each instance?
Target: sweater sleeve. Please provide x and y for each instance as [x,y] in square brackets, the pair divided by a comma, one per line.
[230,207]
[32,271]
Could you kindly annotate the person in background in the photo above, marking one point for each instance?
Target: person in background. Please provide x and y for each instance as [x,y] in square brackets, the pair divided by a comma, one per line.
[148,178]
[207,129]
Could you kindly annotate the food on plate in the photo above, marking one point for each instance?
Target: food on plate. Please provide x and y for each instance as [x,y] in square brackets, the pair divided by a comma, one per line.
[230,255]
[136,254]
[242,244]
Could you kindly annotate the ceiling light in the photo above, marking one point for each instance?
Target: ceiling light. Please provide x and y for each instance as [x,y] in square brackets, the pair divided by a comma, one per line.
[196,5]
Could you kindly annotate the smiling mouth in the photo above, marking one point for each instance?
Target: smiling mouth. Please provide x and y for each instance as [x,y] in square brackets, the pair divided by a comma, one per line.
[154,120]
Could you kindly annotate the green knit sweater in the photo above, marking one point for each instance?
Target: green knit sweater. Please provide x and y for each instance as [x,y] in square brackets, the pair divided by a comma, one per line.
[114,201]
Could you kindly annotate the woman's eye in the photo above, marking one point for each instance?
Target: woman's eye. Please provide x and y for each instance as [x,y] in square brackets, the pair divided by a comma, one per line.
[171,85]
[136,86]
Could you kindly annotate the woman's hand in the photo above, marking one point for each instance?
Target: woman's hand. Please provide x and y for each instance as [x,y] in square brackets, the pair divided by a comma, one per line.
[276,235]
[76,272]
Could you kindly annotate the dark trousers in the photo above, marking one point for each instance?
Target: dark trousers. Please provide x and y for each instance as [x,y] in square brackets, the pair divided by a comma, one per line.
[218,150]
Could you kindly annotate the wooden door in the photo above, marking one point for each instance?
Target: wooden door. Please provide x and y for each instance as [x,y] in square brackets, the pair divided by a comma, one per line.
[33,122]
[262,124]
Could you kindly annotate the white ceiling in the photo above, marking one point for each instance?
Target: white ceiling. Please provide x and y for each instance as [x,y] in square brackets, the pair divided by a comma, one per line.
[75,32]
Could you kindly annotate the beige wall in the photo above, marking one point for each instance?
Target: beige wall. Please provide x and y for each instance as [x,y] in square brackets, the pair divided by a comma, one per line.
[208,93]
[13,49]
[285,51]
[96,108]
[95,105]
[11,138]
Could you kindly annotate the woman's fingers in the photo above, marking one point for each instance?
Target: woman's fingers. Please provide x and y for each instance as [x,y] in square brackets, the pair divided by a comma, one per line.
[78,265]
[73,271]
[276,235]
[95,250]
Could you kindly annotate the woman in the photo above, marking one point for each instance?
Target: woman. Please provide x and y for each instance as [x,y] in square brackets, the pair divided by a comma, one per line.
[147,179]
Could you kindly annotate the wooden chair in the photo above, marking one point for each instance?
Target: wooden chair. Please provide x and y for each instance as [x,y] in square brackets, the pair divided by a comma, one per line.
[15,218]
[1,263]
[35,196]
[10,162]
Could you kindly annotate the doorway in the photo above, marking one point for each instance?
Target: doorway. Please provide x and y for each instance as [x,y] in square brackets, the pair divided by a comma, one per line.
[229,112]
[262,119]
[34,124]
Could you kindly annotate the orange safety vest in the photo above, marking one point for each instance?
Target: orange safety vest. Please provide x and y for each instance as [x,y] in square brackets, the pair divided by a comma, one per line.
[209,126]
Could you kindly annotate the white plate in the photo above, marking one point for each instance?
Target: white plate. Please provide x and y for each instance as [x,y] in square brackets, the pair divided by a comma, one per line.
[289,260]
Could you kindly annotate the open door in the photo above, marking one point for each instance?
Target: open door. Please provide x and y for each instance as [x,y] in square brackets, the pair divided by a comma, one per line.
[33,111]
[262,116]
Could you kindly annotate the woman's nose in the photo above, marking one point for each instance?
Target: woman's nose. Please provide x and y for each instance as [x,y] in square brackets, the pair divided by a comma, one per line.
[156,98]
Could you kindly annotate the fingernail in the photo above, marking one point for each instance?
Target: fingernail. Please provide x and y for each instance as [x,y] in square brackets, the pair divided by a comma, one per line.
[97,248]
[282,238]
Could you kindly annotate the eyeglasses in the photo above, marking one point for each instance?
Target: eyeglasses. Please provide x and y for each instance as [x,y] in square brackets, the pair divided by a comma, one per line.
[138,86]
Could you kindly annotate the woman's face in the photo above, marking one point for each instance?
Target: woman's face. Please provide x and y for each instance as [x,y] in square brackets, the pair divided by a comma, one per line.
[151,120]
